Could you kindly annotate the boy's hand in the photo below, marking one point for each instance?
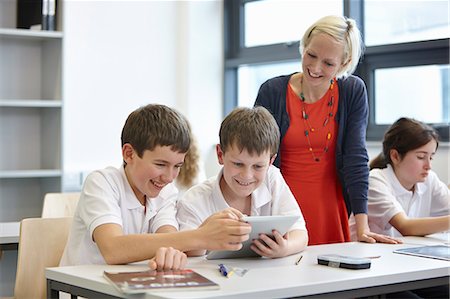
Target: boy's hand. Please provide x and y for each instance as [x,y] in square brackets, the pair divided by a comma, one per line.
[168,258]
[224,231]
[271,247]
[230,212]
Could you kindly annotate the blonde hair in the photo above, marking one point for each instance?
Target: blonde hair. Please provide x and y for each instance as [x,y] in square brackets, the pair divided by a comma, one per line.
[191,168]
[343,30]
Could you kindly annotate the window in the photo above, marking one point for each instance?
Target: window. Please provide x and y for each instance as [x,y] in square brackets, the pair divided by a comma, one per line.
[250,78]
[405,65]
[405,21]
[278,21]
[419,94]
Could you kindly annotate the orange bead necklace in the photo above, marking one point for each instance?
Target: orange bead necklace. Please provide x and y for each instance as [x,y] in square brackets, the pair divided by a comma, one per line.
[309,128]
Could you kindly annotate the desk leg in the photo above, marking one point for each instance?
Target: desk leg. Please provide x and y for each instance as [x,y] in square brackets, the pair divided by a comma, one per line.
[55,287]
[51,293]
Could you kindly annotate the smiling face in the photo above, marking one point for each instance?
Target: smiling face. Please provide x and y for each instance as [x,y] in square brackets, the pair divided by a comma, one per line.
[414,166]
[322,60]
[156,168]
[242,172]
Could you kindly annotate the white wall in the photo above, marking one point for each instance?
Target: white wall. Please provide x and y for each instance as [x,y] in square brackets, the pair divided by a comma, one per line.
[119,55]
[200,72]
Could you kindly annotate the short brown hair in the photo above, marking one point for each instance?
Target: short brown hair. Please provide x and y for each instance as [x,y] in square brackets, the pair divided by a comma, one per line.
[156,125]
[253,129]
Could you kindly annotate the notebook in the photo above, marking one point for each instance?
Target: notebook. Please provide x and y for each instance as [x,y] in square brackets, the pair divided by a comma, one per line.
[151,280]
[440,252]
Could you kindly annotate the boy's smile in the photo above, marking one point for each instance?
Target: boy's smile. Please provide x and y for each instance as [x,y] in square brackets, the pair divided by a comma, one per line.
[242,172]
[149,174]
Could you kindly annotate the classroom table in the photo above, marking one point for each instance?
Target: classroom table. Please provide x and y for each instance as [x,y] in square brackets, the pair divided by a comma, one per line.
[9,235]
[280,278]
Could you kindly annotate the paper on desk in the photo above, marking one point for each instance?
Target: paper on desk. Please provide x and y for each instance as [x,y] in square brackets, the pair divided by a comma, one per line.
[252,263]
[434,239]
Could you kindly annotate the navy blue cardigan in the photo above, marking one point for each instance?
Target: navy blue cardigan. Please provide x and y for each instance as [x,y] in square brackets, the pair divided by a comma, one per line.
[352,116]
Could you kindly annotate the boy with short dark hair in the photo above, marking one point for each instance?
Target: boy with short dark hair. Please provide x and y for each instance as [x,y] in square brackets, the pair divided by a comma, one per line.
[128,214]
[248,183]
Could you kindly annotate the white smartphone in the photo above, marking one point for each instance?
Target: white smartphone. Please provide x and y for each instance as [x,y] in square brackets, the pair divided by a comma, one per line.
[344,261]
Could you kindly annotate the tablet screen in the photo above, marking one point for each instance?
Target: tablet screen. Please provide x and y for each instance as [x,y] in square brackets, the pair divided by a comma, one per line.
[260,225]
[441,252]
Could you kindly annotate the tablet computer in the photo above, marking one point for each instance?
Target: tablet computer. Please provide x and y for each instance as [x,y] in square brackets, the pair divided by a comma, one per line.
[260,225]
[440,252]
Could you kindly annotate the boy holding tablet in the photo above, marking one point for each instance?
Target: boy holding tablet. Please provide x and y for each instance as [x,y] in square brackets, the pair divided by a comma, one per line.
[127,214]
[248,183]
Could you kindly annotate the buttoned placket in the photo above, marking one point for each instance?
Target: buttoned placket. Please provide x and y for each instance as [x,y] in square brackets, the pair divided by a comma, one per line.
[147,216]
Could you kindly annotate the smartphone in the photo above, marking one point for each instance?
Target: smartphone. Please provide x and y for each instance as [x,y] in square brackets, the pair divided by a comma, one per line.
[343,261]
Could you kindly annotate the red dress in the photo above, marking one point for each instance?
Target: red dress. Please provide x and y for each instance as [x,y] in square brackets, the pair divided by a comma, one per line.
[315,185]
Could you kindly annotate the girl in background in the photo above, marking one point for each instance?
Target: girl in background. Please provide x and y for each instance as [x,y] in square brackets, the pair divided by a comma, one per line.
[405,196]
[192,172]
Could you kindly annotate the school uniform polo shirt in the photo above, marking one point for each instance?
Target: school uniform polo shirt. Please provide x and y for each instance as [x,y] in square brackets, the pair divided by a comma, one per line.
[272,197]
[387,197]
[107,197]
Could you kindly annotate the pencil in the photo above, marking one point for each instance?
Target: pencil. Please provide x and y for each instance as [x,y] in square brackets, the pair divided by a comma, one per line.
[299,259]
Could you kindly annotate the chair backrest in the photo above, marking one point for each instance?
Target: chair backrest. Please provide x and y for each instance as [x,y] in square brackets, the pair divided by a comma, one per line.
[41,245]
[60,204]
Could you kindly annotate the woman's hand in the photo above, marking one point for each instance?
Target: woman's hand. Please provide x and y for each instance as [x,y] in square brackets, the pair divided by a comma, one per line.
[365,235]
[370,237]
[168,258]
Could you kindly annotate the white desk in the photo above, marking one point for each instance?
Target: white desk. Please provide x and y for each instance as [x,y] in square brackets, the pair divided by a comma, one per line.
[281,278]
[9,232]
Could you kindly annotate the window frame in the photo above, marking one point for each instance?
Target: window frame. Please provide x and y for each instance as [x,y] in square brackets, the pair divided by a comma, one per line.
[416,53]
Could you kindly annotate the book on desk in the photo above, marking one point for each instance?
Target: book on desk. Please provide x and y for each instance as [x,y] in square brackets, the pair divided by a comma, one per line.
[151,280]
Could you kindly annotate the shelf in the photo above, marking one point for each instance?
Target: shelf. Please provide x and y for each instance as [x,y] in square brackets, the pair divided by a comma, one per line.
[40,173]
[31,103]
[30,34]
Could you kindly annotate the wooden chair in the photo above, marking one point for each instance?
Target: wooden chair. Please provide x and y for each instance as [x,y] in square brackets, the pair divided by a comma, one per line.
[41,245]
[60,204]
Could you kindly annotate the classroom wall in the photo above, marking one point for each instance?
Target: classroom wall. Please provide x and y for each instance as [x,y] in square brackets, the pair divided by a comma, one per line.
[119,55]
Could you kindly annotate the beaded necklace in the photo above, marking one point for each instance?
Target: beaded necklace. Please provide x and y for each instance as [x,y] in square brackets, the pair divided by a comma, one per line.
[309,128]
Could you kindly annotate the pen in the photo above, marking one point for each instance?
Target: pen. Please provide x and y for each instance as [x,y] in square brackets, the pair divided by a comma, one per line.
[299,259]
[372,257]
[224,270]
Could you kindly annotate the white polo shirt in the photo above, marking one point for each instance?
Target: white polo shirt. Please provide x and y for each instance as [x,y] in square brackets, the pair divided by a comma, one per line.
[107,197]
[387,197]
[272,197]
